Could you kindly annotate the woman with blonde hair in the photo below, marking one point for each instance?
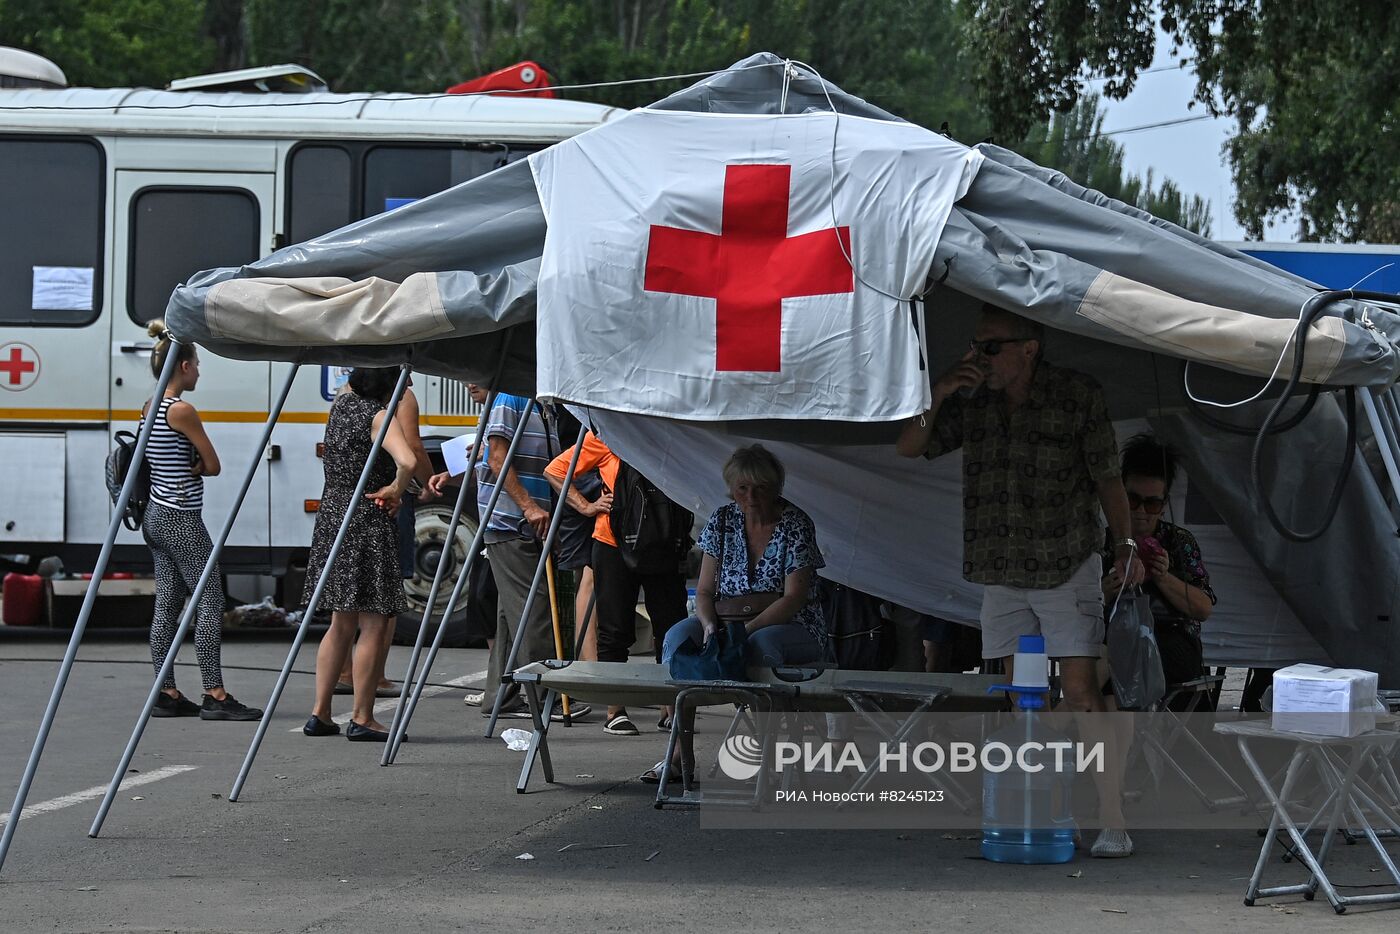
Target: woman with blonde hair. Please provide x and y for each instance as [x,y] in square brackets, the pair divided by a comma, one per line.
[762,547]
[180,456]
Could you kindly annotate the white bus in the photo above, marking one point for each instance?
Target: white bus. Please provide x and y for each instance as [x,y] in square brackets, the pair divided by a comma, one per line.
[112,197]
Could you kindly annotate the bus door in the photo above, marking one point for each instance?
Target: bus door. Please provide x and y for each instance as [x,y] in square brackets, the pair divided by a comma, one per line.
[53,336]
[170,225]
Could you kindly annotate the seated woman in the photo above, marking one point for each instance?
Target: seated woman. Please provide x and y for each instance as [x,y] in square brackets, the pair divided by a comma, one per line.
[1177,582]
[759,543]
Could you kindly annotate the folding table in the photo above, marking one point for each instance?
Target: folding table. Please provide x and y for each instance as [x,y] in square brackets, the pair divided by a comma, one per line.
[1340,762]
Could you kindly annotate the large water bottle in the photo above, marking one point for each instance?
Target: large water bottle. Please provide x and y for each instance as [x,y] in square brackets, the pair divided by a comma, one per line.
[1026,815]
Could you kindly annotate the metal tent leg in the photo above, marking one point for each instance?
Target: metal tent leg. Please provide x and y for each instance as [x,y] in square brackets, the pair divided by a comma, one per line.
[545,551]
[192,607]
[320,584]
[391,748]
[405,713]
[89,601]
[411,672]
[1383,441]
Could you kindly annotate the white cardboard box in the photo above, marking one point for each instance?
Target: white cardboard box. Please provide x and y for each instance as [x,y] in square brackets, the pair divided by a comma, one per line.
[1325,701]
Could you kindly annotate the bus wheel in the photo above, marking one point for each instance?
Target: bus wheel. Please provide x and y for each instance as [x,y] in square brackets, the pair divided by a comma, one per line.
[430,522]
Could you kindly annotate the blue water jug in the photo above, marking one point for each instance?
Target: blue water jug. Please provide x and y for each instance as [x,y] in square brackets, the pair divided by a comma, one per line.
[1026,816]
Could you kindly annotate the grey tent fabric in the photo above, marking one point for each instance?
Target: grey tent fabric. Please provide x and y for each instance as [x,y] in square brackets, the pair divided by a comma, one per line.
[1096,271]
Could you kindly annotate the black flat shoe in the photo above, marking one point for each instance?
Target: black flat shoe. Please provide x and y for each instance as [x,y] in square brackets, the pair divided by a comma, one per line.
[315,726]
[363,734]
[227,709]
[167,706]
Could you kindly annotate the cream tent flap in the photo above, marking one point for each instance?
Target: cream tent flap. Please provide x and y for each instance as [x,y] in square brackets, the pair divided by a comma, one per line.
[327,309]
[1219,336]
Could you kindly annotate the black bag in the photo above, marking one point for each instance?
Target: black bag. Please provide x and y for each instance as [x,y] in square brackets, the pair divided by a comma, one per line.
[652,532]
[861,638]
[118,463]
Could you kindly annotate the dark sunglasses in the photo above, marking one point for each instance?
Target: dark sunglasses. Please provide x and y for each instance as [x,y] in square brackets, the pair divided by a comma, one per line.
[992,347]
[1152,505]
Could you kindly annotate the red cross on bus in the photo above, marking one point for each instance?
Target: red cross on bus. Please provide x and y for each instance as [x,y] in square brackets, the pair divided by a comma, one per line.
[15,366]
[751,266]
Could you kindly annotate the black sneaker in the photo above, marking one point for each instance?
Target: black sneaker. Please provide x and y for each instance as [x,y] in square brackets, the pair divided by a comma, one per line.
[227,709]
[167,706]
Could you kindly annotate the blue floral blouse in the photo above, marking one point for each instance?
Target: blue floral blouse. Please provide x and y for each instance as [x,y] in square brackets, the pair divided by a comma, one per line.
[792,548]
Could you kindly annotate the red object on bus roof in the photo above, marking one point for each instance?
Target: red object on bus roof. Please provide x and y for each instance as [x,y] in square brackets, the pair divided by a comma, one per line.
[525,79]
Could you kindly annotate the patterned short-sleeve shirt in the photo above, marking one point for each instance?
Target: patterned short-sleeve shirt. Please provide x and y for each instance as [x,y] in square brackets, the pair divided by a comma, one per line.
[1030,477]
[1184,562]
[792,548]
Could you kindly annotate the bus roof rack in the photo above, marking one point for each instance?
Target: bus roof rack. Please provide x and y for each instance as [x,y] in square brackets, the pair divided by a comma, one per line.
[269,79]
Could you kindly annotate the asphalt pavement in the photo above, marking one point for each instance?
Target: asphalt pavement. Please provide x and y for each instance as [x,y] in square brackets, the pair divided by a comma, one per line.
[325,839]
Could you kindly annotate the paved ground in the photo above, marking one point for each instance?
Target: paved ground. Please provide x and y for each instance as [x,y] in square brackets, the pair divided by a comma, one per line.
[326,840]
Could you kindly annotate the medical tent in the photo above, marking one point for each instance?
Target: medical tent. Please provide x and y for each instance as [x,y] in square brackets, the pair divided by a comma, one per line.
[502,264]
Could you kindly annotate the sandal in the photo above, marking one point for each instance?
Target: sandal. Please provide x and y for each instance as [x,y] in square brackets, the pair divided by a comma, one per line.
[652,776]
[621,725]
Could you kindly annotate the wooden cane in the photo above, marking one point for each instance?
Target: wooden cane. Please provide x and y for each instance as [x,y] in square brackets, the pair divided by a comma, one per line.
[554,617]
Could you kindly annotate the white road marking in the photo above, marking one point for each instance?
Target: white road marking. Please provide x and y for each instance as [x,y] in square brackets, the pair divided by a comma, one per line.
[97,791]
[389,703]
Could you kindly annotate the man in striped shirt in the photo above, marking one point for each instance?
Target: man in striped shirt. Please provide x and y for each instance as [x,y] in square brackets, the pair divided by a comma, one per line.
[514,538]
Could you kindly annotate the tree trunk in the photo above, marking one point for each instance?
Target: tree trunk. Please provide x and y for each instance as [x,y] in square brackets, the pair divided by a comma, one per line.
[224,22]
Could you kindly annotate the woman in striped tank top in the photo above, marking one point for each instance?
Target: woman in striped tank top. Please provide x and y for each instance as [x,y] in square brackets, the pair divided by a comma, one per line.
[181,456]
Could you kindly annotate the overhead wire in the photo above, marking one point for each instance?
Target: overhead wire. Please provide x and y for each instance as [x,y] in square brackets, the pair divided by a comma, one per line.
[369,98]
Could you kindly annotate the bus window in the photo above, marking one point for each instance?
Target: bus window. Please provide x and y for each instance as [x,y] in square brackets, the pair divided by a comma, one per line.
[51,242]
[176,232]
[319,191]
[394,175]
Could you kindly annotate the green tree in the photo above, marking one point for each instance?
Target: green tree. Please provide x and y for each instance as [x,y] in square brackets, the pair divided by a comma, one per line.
[1030,57]
[115,43]
[1311,85]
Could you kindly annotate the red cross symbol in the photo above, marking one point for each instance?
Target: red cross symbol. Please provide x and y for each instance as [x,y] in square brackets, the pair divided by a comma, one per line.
[15,365]
[751,266]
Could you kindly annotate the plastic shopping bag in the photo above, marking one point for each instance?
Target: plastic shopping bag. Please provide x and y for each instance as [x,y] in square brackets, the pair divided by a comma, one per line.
[1134,661]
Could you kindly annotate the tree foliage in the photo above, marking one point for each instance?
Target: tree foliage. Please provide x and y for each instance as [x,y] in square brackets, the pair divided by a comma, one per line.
[1310,84]
[1029,56]
[124,43]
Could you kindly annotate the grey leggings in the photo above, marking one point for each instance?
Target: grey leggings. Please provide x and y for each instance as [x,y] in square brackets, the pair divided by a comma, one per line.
[180,545]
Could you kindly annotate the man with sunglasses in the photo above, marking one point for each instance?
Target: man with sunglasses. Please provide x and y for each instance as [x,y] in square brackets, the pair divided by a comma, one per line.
[1040,461]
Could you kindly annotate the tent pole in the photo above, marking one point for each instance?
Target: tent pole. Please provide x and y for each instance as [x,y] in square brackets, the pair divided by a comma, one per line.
[193,606]
[1384,444]
[545,551]
[1391,409]
[411,672]
[143,436]
[405,713]
[410,675]
[300,637]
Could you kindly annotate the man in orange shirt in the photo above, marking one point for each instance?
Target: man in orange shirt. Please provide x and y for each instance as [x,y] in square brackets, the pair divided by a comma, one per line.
[614,583]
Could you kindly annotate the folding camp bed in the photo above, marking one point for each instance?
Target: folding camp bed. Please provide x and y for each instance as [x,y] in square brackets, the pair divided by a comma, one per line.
[877,693]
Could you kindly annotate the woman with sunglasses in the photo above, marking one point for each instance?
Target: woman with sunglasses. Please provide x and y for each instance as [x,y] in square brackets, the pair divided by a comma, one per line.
[1176,579]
